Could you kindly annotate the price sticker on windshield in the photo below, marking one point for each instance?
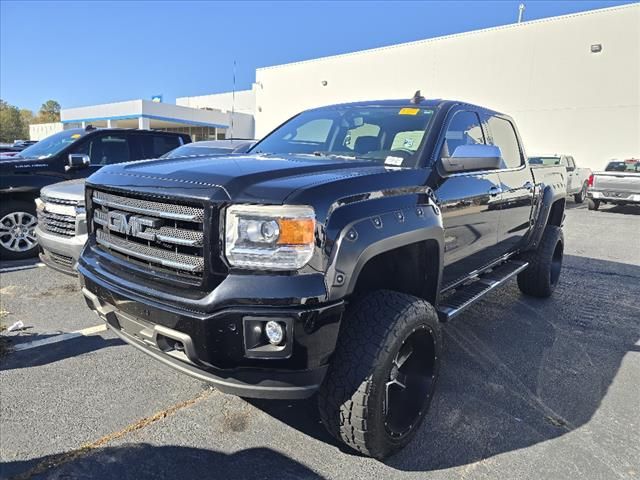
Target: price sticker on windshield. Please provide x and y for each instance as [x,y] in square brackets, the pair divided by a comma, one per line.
[409,111]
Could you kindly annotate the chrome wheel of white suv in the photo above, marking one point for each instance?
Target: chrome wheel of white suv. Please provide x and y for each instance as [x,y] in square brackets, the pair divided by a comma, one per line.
[17,234]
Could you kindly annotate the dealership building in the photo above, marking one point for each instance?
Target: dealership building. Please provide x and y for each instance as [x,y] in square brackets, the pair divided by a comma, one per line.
[571,82]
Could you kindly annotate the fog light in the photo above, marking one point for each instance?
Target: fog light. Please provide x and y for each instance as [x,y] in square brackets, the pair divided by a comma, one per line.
[274,332]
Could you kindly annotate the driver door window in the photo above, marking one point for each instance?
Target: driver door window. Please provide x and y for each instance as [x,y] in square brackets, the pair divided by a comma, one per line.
[464,129]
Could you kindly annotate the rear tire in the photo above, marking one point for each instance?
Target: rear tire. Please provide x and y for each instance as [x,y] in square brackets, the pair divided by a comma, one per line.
[541,277]
[593,204]
[383,373]
[580,196]
[17,224]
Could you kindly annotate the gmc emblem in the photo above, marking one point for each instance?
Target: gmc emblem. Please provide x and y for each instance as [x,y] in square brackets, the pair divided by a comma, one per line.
[133,225]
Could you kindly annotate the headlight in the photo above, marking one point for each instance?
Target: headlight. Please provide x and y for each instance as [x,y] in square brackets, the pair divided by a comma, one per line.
[269,237]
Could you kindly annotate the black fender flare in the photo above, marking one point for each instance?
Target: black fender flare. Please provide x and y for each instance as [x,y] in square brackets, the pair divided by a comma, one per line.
[362,239]
[547,198]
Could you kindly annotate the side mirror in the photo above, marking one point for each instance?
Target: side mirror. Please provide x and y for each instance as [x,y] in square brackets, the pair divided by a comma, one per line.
[467,158]
[76,161]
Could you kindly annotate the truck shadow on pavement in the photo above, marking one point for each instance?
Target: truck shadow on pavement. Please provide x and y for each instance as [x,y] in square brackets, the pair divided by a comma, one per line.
[620,209]
[516,371]
[140,461]
[51,352]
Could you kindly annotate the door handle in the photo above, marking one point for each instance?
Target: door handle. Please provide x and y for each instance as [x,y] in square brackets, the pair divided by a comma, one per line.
[528,185]
[493,191]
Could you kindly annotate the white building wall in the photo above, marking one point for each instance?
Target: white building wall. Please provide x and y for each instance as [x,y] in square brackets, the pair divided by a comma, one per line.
[38,131]
[563,97]
[244,102]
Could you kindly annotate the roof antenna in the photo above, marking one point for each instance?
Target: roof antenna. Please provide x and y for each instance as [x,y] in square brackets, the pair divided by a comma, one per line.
[233,98]
[521,8]
[417,98]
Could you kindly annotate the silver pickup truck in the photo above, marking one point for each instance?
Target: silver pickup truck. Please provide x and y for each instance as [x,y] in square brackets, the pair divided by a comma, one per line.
[62,225]
[577,177]
[619,184]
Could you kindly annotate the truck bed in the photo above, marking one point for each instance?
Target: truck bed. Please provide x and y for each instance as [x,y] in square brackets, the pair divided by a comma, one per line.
[616,182]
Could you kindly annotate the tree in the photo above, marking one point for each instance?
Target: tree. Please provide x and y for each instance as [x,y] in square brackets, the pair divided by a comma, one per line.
[11,125]
[49,112]
[27,119]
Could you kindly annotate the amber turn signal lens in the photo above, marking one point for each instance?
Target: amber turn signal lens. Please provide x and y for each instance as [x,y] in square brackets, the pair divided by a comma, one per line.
[296,231]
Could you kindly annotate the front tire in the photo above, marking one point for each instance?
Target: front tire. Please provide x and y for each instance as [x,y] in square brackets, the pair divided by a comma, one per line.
[593,204]
[580,196]
[17,230]
[541,277]
[383,373]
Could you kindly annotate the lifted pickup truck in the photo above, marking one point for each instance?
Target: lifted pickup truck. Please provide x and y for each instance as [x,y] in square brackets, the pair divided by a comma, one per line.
[325,258]
[619,184]
[70,154]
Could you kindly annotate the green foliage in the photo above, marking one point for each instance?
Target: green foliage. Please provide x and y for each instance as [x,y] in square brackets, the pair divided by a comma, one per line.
[14,122]
[49,112]
[11,123]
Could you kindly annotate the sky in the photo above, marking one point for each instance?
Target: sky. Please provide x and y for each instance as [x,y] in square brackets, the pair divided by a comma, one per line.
[86,53]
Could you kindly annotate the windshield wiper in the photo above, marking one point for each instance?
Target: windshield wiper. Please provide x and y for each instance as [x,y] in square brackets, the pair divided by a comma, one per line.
[332,155]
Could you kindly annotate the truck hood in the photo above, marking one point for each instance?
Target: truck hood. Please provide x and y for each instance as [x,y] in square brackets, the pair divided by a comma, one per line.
[247,178]
[21,164]
[72,190]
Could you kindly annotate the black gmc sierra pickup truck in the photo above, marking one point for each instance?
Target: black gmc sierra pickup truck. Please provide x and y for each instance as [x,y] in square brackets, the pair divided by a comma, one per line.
[325,259]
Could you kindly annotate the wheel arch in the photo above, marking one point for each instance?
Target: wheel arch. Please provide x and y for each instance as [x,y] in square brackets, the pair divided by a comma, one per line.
[401,250]
[550,211]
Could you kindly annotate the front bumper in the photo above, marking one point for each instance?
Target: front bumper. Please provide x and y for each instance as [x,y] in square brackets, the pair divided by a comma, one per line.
[59,252]
[211,346]
[614,197]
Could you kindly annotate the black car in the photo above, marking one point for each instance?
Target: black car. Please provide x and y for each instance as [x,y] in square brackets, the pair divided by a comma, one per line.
[70,154]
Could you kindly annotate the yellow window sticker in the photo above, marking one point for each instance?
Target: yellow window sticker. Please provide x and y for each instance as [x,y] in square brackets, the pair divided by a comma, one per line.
[409,111]
[76,135]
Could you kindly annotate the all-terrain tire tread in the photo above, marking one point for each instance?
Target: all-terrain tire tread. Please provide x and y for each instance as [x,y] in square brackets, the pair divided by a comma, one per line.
[367,335]
[535,279]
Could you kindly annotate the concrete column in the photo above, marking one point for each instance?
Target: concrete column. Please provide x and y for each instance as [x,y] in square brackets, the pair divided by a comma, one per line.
[144,123]
[112,123]
[83,124]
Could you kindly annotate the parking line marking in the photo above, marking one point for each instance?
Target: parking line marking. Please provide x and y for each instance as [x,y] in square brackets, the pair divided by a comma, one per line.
[60,337]
[23,267]
[92,330]
[45,341]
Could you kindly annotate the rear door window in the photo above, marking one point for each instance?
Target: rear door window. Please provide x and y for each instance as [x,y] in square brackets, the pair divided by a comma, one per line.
[106,149]
[161,144]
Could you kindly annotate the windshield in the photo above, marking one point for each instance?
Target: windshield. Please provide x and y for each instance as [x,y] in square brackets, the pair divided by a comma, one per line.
[188,150]
[389,135]
[629,166]
[544,160]
[52,145]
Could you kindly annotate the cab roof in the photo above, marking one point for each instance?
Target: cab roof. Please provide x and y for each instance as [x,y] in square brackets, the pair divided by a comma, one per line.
[405,102]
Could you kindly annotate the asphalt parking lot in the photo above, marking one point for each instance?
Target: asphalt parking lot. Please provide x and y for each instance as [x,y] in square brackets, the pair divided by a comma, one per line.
[529,388]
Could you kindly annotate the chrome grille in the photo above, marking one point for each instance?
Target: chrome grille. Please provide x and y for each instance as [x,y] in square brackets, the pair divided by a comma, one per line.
[149,232]
[59,201]
[148,207]
[59,224]
[61,260]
